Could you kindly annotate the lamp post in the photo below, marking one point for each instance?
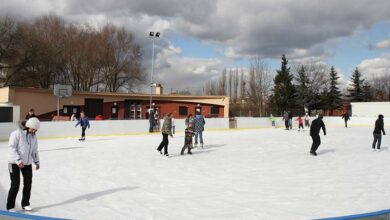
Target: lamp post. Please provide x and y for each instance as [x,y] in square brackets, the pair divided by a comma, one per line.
[153,36]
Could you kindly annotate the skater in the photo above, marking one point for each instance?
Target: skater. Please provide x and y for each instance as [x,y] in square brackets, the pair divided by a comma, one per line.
[315,129]
[272,119]
[189,119]
[346,118]
[290,119]
[199,123]
[173,125]
[285,118]
[379,129]
[30,114]
[300,122]
[151,120]
[165,130]
[84,123]
[307,120]
[189,133]
[23,152]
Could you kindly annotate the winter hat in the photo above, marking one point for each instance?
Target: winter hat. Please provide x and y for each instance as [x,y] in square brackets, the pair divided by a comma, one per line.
[33,123]
[380,116]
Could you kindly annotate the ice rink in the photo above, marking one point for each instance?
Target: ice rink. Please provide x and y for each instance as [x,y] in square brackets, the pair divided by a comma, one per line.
[241,174]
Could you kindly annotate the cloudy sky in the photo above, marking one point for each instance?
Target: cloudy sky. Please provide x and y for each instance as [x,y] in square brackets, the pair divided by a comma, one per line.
[201,37]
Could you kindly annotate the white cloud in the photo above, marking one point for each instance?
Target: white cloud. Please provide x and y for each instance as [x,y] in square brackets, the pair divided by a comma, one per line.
[382,44]
[375,67]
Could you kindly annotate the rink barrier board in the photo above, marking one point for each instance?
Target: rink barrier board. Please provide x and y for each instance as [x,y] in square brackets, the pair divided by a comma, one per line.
[384,215]
[5,215]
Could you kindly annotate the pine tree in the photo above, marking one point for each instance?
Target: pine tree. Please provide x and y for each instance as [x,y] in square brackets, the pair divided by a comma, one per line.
[284,90]
[303,92]
[356,92]
[334,95]
[367,92]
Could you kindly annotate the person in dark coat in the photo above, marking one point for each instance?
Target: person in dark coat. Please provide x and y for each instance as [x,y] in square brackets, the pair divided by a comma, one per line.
[189,133]
[165,130]
[290,119]
[346,118]
[285,118]
[30,114]
[379,129]
[151,120]
[315,129]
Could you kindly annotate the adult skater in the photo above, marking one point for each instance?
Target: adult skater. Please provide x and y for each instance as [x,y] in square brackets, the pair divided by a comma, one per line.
[290,119]
[285,118]
[307,120]
[189,133]
[84,123]
[23,152]
[30,114]
[165,130]
[315,129]
[379,129]
[199,123]
[272,119]
[151,120]
[346,118]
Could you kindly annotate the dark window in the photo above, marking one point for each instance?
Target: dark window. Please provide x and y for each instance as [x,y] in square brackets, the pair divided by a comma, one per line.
[93,107]
[183,110]
[6,114]
[215,110]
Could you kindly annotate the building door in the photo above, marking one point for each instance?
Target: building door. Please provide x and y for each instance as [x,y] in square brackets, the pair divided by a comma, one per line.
[133,110]
[93,107]
[6,114]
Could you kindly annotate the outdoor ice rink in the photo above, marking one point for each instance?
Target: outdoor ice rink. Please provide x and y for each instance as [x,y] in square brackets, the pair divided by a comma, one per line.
[241,174]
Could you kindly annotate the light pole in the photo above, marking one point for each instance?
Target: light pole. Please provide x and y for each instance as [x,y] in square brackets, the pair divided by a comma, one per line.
[153,36]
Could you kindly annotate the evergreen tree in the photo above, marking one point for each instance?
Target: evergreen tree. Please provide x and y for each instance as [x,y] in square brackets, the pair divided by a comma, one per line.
[334,95]
[367,92]
[356,92]
[302,88]
[284,91]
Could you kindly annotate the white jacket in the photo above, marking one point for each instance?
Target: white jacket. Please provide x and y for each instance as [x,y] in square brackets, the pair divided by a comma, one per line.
[23,148]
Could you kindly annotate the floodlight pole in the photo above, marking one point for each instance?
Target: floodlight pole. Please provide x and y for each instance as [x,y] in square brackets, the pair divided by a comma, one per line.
[154,36]
[58,108]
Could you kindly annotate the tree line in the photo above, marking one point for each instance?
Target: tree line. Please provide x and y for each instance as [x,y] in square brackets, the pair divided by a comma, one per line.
[302,87]
[48,51]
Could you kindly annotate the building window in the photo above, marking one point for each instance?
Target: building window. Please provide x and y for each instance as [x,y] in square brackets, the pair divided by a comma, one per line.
[215,110]
[183,110]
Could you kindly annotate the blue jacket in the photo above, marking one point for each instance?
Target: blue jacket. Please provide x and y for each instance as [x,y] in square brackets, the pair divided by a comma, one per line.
[198,123]
[84,122]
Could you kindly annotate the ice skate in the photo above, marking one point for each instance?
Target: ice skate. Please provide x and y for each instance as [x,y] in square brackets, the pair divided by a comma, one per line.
[27,208]
[190,153]
[159,151]
[12,210]
[378,150]
[373,149]
[201,145]
[313,153]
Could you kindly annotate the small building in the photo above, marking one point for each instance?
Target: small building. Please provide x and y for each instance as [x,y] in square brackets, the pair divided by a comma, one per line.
[112,105]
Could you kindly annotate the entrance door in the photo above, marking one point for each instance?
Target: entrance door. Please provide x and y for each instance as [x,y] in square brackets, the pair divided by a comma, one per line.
[93,107]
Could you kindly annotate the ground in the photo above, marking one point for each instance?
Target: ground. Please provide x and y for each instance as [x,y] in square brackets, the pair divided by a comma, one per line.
[241,174]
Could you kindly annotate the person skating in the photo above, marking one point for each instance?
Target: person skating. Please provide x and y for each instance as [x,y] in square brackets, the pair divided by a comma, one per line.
[189,133]
[285,119]
[300,122]
[379,129]
[23,152]
[151,120]
[166,131]
[315,129]
[290,119]
[307,120]
[199,123]
[272,119]
[84,123]
[346,118]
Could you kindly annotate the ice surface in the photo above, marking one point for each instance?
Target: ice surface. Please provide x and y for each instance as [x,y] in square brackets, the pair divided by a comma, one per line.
[244,174]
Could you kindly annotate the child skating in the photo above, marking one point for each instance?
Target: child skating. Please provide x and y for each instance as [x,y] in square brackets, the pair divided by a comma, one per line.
[84,123]
[189,133]
[300,122]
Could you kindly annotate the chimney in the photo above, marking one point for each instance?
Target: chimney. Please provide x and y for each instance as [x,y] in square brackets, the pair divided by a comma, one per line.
[159,89]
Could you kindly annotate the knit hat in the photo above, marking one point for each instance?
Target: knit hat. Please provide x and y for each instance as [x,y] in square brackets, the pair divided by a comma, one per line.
[380,116]
[33,123]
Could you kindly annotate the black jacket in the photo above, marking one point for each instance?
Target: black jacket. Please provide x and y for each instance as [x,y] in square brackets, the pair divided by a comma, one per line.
[379,126]
[346,117]
[316,126]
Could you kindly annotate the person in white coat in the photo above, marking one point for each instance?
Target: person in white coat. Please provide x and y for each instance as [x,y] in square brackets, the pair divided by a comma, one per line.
[23,152]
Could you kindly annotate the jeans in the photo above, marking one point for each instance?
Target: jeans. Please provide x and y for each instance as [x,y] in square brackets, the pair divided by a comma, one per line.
[377,138]
[200,134]
[151,126]
[83,132]
[15,183]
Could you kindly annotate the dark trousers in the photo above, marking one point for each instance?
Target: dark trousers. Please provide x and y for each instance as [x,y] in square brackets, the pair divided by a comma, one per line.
[83,132]
[316,142]
[15,182]
[300,126]
[346,123]
[377,138]
[173,129]
[286,124]
[164,144]
[151,124]
[187,145]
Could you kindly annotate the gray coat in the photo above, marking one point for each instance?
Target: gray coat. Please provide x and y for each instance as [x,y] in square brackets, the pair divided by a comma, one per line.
[23,148]
[167,126]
